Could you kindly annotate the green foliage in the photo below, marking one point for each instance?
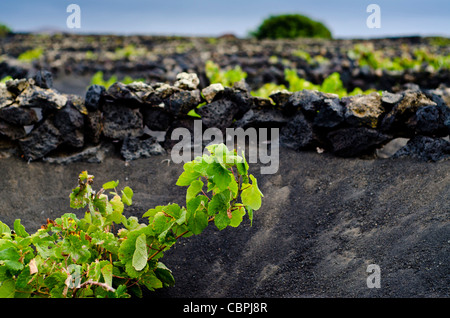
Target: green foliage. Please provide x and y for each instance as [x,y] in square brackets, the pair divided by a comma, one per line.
[366,55]
[291,26]
[226,78]
[331,84]
[128,51]
[31,55]
[6,78]
[316,60]
[97,79]
[105,254]
[4,30]
[267,89]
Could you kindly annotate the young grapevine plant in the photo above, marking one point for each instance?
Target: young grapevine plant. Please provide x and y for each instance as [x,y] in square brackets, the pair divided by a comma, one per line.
[106,254]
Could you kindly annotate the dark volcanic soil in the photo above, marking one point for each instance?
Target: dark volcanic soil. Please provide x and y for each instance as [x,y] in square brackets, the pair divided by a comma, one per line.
[323,221]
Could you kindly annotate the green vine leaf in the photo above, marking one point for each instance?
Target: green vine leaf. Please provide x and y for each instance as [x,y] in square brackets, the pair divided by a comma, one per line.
[140,253]
[251,195]
[127,196]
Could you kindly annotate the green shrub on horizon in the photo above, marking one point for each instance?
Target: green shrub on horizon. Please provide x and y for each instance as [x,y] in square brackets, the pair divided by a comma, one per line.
[291,26]
[4,30]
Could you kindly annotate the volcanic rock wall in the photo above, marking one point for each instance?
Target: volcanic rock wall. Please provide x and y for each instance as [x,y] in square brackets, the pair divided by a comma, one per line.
[37,122]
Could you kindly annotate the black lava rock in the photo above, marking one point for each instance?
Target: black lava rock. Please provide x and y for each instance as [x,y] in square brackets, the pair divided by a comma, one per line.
[42,140]
[135,148]
[219,114]
[93,96]
[430,121]
[298,133]
[120,121]
[425,148]
[19,115]
[353,142]
[44,79]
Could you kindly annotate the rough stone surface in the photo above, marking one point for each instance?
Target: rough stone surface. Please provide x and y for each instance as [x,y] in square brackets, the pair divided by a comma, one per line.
[298,133]
[218,114]
[187,81]
[11,131]
[426,149]
[93,95]
[280,97]
[6,97]
[42,140]
[18,115]
[180,103]
[430,121]
[44,79]
[211,91]
[156,118]
[47,99]
[364,110]
[121,121]
[351,142]
[396,121]
[329,113]
[135,148]
[267,118]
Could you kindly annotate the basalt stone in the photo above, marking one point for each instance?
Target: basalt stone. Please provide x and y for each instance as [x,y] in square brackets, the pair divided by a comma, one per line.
[120,121]
[68,119]
[163,90]
[70,123]
[47,99]
[135,148]
[431,121]
[280,97]
[6,97]
[218,114]
[93,126]
[188,81]
[241,85]
[356,141]
[307,101]
[156,118]
[241,98]
[261,102]
[390,99]
[17,86]
[329,113]
[42,140]
[44,79]
[399,120]
[298,133]
[186,125]
[93,96]
[211,91]
[265,117]
[13,67]
[119,92]
[180,103]
[19,115]
[11,131]
[364,110]
[425,148]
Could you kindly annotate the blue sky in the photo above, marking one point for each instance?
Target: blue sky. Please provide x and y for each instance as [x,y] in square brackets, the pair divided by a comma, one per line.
[345,18]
